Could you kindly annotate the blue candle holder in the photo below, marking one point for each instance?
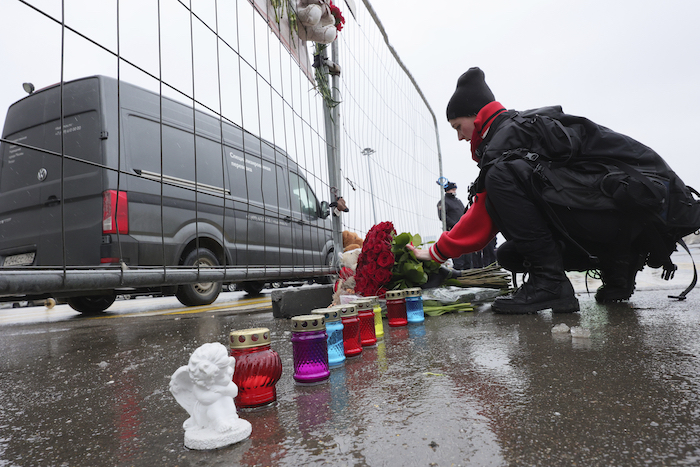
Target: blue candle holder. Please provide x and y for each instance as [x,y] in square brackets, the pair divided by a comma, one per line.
[334,329]
[414,305]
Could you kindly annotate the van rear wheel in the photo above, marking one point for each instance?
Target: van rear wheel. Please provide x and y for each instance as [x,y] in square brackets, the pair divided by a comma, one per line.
[91,304]
[202,293]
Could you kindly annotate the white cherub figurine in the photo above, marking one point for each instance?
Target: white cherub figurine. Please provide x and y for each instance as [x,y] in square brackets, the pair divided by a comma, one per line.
[205,388]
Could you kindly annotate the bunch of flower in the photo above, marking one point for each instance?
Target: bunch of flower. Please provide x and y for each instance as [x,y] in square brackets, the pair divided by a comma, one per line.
[338,15]
[408,271]
[386,264]
[374,265]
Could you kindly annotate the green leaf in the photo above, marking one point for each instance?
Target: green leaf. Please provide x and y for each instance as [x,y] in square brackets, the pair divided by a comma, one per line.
[417,240]
[417,276]
[402,239]
[400,254]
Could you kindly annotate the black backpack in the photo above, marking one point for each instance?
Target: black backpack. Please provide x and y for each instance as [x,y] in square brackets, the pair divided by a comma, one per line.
[576,161]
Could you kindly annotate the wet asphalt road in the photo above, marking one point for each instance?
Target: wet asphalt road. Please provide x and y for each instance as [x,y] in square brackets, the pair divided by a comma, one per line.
[462,389]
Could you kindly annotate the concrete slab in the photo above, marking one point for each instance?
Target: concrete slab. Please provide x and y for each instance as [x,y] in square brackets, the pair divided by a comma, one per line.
[296,301]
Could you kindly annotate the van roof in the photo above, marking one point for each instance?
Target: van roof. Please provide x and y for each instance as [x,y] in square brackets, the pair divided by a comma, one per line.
[207,124]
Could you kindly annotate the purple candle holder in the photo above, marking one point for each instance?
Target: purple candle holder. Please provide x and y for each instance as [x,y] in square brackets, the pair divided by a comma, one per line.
[310,348]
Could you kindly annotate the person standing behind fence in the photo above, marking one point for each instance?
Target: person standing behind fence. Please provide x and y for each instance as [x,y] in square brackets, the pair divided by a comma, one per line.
[454,208]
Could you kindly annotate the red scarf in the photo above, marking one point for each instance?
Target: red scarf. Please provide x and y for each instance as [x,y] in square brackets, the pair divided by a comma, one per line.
[483,122]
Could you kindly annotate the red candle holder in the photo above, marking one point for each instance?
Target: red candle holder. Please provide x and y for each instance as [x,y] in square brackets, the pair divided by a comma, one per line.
[396,308]
[351,330]
[365,312]
[258,367]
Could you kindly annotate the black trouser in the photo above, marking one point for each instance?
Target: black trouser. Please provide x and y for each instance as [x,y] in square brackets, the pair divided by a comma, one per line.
[462,262]
[519,214]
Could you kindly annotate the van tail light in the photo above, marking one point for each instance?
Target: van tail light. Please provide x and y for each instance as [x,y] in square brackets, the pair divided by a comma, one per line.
[115,212]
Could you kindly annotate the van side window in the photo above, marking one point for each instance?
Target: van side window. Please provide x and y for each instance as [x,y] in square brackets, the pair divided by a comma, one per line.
[144,148]
[178,152]
[303,199]
[209,165]
[143,144]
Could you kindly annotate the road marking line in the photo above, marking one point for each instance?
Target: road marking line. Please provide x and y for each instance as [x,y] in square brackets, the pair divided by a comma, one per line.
[194,309]
[200,309]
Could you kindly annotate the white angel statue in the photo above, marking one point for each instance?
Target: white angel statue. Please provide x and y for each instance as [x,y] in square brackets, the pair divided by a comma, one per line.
[205,388]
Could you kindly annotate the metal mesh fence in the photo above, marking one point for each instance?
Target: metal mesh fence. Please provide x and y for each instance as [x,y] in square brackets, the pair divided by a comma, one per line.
[384,111]
[210,122]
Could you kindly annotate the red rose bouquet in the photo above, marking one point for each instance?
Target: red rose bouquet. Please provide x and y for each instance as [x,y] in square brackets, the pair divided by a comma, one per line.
[376,260]
[386,264]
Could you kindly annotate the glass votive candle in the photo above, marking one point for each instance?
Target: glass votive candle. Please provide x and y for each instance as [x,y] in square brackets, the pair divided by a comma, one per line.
[396,308]
[258,367]
[378,324]
[334,329]
[365,312]
[414,305]
[351,330]
[310,349]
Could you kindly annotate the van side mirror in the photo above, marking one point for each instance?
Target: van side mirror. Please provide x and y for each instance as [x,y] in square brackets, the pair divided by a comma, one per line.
[325,209]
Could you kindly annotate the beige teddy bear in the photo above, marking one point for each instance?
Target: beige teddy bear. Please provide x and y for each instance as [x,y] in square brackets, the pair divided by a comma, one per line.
[351,240]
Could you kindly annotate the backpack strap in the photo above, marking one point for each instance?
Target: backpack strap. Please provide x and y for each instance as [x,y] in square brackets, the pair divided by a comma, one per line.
[574,149]
[683,294]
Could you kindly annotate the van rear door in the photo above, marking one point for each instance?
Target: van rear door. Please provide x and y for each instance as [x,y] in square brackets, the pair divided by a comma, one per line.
[37,201]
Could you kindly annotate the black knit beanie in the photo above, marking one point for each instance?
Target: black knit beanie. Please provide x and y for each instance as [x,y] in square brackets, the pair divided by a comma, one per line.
[471,95]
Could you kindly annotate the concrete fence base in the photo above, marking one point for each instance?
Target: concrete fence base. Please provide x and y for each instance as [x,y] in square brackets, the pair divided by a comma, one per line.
[295,301]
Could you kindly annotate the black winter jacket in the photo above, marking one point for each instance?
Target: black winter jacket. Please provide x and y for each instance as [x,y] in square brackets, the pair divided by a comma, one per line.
[454,208]
[580,164]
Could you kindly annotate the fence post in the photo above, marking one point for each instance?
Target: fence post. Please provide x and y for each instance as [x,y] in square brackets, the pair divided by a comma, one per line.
[442,190]
[332,119]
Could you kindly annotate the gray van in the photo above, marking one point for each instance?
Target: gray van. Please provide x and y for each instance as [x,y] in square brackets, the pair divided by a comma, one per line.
[141,181]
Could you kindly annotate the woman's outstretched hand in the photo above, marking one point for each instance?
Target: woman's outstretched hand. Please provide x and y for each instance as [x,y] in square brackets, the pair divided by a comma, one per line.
[423,255]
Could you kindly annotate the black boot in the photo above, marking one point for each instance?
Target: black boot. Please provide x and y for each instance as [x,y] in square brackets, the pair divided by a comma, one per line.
[547,287]
[618,278]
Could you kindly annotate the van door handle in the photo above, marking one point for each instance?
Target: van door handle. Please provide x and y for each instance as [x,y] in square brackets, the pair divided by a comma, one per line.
[52,201]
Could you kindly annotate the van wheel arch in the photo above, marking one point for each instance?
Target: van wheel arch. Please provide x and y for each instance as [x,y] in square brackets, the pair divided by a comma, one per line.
[204,242]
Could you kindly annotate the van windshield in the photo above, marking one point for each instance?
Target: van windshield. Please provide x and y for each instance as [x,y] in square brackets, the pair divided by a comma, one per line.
[303,199]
